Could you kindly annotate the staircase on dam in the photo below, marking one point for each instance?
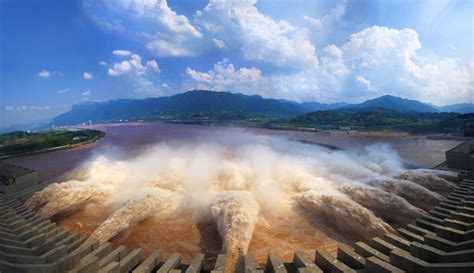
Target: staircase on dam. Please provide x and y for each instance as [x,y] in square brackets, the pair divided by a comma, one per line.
[442,241]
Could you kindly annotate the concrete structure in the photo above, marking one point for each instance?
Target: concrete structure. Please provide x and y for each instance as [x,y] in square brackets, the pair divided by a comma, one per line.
[461,157]
[15,178]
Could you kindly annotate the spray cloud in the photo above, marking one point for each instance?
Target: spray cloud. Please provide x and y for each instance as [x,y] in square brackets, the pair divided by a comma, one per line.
[237,179]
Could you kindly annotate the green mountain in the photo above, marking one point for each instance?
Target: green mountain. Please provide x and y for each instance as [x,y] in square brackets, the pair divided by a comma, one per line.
[208,106]
[197,104]
[380,119]
[395,103]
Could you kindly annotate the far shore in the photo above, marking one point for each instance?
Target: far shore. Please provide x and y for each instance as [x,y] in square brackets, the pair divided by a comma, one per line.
[57,148]
[103,128]
[355,133]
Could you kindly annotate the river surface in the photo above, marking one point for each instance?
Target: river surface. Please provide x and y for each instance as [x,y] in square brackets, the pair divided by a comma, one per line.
[132,139]
[181,232]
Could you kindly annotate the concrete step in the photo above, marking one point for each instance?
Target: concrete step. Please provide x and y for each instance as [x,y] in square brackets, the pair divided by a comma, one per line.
[366,251]
[329,263]
[300,260]
[349,257]
[274,264]
[410,235]
[149,264]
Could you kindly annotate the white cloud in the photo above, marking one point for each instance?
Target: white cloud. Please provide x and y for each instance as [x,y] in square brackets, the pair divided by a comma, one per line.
[260,38]
[159,11]
[373,60]
[152,64]
[138,74]
[332,64]
[219,43]
[48,74]
[86,93]
[365,82]
[24,108]
[334,16]
[87,76]
[378,46]
[120,52]
[133,65]
[162,45]
[63,91]
[389,57]
[164,32]
[120,68]
[39,108]
[224,77]
[103,63]
[44,74]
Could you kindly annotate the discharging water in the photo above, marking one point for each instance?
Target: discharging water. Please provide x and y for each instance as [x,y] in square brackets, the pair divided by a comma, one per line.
[214,189]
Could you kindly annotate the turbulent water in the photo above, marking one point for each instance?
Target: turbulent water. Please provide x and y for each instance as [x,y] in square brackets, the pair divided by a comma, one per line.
[240,181]
[235,213]
[345,214]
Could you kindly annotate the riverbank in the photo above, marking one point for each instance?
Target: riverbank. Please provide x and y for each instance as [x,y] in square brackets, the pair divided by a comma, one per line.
[23,143]
[354,133]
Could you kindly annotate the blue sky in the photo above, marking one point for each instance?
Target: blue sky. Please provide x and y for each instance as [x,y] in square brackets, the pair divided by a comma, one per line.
[56,53]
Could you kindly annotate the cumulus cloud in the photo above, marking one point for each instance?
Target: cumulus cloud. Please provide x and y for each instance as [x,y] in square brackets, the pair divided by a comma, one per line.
[389,56]
[219,43]
[86,93]
[282,59]
[165,45]
[9,108]
[120,52]
[132,66]
[45,74]
[139,74]
[365,82]
[328,20]
[163,31]
[159,11]
[152,64]
[87,76]
[261,38]
[224,77]
[49,74]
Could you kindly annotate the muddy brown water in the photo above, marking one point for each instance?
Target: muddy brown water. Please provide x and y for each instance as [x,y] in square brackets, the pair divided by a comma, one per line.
[178,234]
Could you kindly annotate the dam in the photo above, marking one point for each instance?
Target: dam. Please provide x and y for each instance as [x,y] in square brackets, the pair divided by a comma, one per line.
[440,240]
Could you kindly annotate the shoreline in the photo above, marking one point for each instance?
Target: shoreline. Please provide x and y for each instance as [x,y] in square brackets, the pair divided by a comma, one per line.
[354,133]
[57,148]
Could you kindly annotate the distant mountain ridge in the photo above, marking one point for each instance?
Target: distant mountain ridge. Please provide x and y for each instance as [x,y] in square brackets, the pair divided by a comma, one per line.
[225,104]
[396,104]
[462,108]
[228,106]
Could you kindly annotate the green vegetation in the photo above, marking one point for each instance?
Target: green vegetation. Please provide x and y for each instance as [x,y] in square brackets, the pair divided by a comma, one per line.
[20,142]
[379,119]
[372,120]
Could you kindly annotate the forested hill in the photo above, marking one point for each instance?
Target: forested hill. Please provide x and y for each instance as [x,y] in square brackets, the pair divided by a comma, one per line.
[225,106]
